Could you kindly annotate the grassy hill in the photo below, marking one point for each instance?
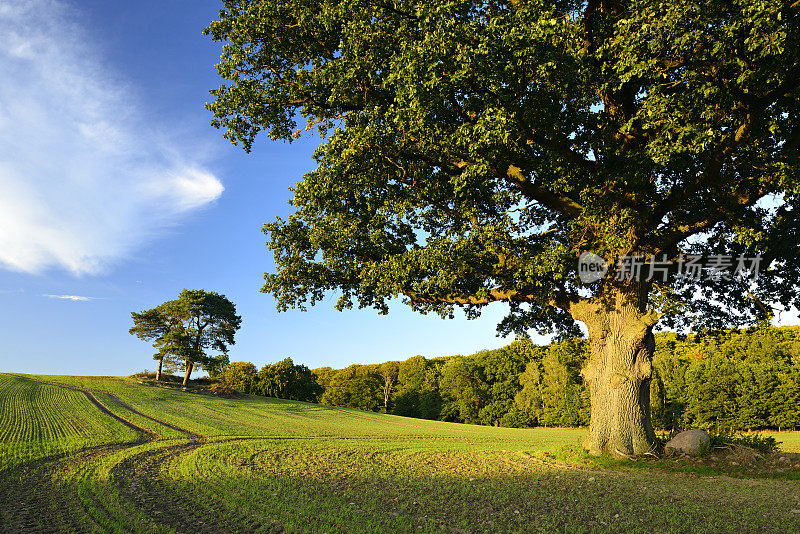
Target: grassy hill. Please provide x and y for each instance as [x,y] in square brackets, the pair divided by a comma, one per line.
[109,454]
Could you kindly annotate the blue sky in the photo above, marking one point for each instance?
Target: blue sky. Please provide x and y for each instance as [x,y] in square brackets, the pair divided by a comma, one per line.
[116,191]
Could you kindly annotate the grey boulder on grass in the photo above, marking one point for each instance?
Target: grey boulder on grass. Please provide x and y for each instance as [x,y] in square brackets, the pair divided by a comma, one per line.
[691,442]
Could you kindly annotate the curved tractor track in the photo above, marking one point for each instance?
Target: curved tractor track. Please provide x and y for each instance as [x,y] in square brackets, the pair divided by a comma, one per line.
[38,496]
[28,502]
[126,487]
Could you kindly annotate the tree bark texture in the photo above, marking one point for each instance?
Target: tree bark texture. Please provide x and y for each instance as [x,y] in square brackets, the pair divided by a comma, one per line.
[619,369]
[189,367]
[158,371]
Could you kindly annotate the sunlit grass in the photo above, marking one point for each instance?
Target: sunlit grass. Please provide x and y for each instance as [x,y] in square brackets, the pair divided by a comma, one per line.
[190,462]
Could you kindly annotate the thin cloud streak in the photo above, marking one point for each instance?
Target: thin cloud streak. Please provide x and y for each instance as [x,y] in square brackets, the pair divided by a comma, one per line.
[84,181]
[76,298]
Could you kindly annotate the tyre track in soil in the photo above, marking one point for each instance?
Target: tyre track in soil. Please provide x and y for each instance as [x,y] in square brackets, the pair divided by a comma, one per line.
[116,400]
[145,435]
[28,506]
[32,502]
[139,479]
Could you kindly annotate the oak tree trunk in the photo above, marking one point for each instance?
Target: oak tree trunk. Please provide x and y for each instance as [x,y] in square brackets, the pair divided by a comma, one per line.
[619,369]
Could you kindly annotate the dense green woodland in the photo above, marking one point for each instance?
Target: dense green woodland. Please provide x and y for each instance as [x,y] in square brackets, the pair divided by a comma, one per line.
[721,380]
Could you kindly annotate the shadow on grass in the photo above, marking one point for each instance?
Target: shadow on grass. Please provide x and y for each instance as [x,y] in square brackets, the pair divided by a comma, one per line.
[707,466]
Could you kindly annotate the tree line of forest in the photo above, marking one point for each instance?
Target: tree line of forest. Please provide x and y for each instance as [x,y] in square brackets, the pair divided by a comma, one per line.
[721,380]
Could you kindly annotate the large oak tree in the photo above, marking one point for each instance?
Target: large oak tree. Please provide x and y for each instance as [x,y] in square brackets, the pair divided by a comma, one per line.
[472,150]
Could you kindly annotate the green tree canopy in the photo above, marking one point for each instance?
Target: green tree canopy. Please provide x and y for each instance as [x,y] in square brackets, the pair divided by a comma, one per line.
[418,388]
[164,331]
[287,380]
[241,376]
[355,386]
[473,150]
[190,326]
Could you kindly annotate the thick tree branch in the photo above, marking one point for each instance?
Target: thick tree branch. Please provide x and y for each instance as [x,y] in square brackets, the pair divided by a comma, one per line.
[562,301]
[754,113]
[726,207]
[561,149]
[559,203]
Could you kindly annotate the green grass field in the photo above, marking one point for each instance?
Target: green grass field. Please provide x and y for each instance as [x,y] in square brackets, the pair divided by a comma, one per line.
[92,454]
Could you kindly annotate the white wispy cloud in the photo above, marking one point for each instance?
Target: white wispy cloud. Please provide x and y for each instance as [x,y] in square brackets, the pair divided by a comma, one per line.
[76,298]
[83,180]
[11,291]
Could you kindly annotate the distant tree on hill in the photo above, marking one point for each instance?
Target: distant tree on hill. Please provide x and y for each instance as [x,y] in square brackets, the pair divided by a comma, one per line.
[528,400]
[726,379]
[553,392]
[324,375]
[481,388]
[658,403]
[241,376]
[388,372]
[464,390]
[502,368]
[565,399]
[729,379]
[188,327]
[356,386]
[285,380]
[418,393]
[164,331]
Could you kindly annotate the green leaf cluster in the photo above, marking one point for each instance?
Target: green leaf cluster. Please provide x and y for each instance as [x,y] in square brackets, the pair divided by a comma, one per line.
[190,329]
[472,150]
